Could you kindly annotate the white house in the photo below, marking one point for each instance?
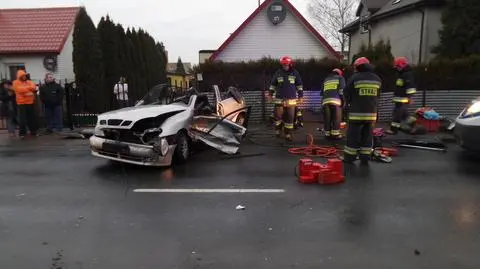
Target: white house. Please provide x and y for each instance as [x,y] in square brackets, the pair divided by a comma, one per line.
[275,29]
[39,40]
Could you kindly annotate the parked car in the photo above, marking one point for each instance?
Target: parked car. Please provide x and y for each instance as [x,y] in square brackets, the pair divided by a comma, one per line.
[467,127]
[161,129]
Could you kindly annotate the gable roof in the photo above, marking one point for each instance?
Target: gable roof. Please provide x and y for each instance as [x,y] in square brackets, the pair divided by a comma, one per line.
[39,30]
[172,67]
[372,5]
[295,12]
[390,9]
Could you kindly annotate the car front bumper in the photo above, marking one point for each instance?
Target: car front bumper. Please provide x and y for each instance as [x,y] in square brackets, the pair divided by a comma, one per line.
[467,136]
[136,154]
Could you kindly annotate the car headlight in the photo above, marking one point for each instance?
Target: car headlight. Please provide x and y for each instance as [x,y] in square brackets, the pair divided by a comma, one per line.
[161,146]
[473,109]
[98,131]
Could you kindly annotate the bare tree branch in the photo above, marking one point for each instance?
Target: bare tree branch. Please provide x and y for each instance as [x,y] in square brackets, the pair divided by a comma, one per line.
[332,15]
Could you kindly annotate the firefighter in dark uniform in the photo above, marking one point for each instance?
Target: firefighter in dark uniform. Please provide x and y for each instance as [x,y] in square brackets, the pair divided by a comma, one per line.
[286,87]
[404,89]
[332,102]
[361,95]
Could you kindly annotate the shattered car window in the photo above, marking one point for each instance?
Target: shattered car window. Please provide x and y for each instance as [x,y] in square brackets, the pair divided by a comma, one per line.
[162,95]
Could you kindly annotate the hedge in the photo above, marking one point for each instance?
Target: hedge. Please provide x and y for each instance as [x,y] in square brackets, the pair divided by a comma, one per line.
[459,74]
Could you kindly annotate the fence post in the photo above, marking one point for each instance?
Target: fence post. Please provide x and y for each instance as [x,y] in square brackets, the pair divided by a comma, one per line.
[424,98]
[264,106]
[68,105]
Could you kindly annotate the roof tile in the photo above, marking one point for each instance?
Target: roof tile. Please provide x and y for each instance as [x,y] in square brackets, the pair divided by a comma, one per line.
[42,30]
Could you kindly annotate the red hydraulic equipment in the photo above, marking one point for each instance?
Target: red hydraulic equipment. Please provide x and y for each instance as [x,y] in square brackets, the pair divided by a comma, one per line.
[313,172]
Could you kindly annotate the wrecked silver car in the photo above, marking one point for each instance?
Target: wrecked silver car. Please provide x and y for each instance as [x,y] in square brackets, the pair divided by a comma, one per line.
[161,130]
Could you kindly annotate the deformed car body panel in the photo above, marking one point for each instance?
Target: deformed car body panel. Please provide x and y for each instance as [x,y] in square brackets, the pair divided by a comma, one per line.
[218,132]
[146,134]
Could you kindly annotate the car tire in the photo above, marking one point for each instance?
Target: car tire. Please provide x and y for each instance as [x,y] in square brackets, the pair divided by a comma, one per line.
[240,120]
[182,150]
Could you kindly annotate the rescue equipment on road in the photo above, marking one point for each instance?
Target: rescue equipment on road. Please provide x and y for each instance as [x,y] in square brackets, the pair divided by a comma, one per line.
[326,174]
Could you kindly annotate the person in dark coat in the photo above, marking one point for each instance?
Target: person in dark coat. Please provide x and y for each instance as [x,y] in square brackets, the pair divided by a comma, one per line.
[8,107]
[51,95]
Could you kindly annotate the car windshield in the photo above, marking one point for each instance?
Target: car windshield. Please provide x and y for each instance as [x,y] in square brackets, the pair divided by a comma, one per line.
[163,94]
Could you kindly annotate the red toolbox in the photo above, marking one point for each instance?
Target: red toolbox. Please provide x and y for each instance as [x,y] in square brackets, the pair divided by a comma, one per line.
[430,125]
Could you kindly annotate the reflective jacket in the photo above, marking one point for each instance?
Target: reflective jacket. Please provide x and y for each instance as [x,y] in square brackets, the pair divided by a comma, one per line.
[404,86]
[286,84]
[362,93]
[24,90]
[333,90]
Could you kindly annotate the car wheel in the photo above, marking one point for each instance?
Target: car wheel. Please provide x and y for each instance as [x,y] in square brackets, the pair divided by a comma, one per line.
[240,120]
[182,150]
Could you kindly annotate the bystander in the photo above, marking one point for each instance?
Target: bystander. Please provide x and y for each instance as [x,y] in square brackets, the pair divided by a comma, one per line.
[25,96]
[8,107]
[120,90]
[51,95]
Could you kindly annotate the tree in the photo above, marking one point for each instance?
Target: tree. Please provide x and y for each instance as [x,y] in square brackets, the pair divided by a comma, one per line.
[110,45]
[331,16]
[460,33]
[180,68]
[88,62]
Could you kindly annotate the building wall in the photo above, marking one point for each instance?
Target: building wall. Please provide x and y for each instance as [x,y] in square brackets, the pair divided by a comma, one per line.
[34,63]
[203,56]
[433,23]
[404,31]
[179,81]
[263,39]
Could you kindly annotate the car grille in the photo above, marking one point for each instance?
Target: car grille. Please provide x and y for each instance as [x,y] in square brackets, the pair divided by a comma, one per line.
[121,135]
[114,122]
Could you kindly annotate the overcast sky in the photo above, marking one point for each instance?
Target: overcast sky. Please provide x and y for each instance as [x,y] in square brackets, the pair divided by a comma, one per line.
[184,26]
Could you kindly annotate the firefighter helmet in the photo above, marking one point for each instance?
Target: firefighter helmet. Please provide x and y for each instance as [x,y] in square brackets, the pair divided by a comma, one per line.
[286,60]
[338,71]
[400,62]
[361,61]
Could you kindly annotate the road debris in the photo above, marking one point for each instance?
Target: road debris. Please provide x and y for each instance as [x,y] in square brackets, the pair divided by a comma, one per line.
[240,207]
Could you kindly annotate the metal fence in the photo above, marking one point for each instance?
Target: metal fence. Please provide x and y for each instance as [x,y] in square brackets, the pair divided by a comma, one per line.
[447,103]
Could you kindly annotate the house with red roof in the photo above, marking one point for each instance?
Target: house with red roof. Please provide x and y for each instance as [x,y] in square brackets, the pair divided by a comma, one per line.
[276,28]
[39,40]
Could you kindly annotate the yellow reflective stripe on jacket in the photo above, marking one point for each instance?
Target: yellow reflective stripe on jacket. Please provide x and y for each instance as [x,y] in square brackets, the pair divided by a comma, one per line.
[350,151]
[299,113]
[278,123]
[335,132]
[400,99]
[278,101]
[291,102]
[365,151]
[400,82]
[363,116]
[330,85]
[367,85]
[411,91]
[288,125]
[300,88]
[334,101]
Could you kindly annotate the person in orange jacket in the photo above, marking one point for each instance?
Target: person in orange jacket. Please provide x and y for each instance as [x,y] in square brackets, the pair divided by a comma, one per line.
[25,91]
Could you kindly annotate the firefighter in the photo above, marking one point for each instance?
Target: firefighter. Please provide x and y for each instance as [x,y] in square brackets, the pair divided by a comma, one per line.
[404,89]
[361,96]
[332,102]
[286,87]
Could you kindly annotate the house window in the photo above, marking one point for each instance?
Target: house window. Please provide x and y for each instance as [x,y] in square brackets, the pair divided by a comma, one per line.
[13,68]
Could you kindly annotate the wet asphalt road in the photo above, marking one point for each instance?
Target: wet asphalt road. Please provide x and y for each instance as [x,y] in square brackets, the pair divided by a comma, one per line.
[62,208]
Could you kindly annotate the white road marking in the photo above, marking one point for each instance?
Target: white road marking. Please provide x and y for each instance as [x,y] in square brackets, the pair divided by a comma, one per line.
[211,190]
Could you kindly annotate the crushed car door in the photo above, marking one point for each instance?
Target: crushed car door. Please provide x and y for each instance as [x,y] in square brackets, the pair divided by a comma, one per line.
[217,132]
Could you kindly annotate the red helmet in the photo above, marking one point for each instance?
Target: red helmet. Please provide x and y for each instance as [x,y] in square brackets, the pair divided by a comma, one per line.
[400,62]
[286,60]
[338,71]
[360,61]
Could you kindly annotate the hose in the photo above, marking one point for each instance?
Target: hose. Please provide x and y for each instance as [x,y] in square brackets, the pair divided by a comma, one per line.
[312,150]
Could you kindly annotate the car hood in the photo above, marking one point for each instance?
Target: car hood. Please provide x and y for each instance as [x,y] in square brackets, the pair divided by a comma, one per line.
[141,112]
